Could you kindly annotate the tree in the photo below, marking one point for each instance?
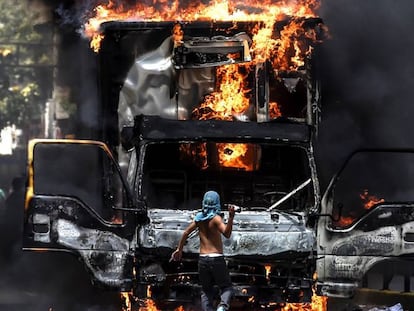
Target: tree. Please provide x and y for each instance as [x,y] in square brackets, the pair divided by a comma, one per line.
[26,64]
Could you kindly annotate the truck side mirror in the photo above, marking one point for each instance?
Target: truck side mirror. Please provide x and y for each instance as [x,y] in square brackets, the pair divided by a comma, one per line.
[334,218]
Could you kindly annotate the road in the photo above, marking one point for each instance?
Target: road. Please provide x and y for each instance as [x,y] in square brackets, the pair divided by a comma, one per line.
[59,282]
[45,282]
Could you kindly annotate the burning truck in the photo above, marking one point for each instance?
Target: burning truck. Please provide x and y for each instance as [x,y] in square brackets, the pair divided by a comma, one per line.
[190,107]
[231,106]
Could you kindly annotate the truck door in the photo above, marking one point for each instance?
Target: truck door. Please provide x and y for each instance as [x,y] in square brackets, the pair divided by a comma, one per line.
[77,201]
[368,240]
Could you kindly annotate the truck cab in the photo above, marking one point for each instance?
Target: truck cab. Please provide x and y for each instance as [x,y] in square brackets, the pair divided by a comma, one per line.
[367,242]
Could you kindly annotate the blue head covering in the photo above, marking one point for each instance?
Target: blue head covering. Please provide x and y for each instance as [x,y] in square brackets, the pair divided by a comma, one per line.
[211,206]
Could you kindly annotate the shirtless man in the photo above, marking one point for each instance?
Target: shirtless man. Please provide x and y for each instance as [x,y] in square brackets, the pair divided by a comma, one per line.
[212,267]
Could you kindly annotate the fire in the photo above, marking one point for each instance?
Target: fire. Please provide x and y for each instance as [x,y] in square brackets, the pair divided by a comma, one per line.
[235,155]
[288,51]
[268,269]
[178,34]
[369,200]
[150,306]
[319,303]
[274,110]
[284,50]
[126,301]
[160,10]
[345,221]
[229,101]
[196,153]
[289,45]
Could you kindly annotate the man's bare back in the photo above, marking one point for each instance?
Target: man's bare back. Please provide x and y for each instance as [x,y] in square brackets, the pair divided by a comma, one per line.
[210,236]
[210,232]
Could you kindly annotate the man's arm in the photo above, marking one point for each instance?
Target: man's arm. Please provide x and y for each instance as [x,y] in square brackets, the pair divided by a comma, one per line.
[178,253]
[228,228]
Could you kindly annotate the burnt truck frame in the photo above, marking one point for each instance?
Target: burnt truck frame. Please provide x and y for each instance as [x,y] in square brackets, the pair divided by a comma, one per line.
[122,211]
[368,239]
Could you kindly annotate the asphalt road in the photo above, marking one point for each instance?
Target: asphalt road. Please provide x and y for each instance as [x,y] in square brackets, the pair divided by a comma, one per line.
[41,281]
[45,282]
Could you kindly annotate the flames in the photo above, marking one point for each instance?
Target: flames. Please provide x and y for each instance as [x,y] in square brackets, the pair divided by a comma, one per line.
[368,201]
[230,155]
[150,306]
[159,10]
[274,110]
[236,156]
[126,301]
[229,100]
[284,50]
[319,303]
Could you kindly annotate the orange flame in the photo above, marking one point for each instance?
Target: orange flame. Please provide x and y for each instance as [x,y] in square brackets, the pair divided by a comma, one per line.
[178,34]
[228,10]
[229,100]
[197,153]
[369,200]
[286,52]
[268,269]
[235,156]
[126,301]
[150,306]
[274,110]
[319,303]
[345,221]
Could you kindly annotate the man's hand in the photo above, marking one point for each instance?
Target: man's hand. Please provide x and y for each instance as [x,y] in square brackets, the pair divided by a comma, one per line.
[177,255]
[232,211]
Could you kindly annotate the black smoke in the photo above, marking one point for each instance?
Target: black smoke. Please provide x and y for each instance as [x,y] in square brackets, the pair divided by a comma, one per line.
[367,73]
[42,281]
[366,67]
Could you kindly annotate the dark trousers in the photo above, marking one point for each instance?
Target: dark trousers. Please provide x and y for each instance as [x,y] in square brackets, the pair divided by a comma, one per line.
[213,271]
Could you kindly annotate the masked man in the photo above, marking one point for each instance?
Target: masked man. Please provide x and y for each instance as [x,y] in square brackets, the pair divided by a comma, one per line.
[212,267]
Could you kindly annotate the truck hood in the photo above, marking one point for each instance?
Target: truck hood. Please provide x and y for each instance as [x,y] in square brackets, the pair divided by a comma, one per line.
[255,233]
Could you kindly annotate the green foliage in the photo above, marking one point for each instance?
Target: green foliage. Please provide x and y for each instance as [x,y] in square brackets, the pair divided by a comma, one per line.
[68,106]
[26,64]
[16,21]
[19,104]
